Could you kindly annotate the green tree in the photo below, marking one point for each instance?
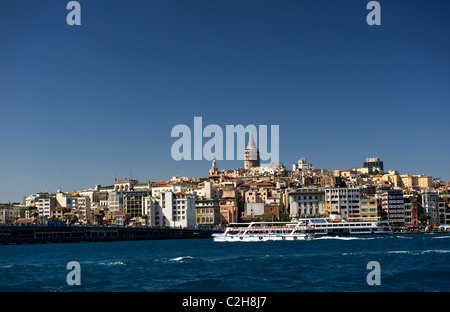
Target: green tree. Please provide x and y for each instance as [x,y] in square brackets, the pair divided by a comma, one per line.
[285,217]
[423,219]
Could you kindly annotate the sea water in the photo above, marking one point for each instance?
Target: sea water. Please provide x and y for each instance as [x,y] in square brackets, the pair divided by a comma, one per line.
[407,263]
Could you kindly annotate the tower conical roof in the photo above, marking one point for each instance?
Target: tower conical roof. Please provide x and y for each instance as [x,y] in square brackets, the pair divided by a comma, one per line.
[251,143]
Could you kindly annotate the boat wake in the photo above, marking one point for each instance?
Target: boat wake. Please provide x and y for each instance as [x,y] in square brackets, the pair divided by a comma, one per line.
[346,238]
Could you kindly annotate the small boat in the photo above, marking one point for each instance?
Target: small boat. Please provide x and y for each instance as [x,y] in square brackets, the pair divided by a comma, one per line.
[265,231]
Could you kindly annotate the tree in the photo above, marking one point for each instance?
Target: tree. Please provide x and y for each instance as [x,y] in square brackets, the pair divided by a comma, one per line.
[423,219]
[285,217]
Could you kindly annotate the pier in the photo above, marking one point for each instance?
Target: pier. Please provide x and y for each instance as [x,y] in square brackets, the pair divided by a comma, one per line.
[32,234]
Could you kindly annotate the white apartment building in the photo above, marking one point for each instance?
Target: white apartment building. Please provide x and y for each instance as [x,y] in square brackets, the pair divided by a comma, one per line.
[45,206]
[170,209]
[343,201]
[307,202]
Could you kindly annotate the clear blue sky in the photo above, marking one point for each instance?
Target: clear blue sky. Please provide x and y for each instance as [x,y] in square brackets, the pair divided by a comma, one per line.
[81,105]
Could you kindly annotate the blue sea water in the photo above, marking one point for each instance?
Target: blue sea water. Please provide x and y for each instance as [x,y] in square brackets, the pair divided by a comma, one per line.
[408,263]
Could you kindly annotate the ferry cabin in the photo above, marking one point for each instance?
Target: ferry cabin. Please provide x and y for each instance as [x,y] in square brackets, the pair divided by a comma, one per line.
[324,226]
[267,228]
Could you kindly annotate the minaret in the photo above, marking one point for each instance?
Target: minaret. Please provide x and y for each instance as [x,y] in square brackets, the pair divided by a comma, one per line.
[251,157]
[213,170]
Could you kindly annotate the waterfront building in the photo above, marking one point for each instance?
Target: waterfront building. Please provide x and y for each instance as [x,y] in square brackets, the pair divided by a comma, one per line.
[82,205]
[207,211]
[150,211]
[115,201]
[444,208]
[392,204]
[307,202]
[430,205]
[254,209]
[343,201]
[251,156]
[45,206]
[133,205]
[272,211]
[11,212]
[175,209]
[368,208]
[231,204]
[61,213]
[229,210]
[411,210]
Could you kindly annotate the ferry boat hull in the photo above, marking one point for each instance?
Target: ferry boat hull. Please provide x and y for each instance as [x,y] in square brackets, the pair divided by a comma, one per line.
[221,237]
[265,231]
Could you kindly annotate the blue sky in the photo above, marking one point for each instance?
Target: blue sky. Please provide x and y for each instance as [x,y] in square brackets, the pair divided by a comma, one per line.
[82,105]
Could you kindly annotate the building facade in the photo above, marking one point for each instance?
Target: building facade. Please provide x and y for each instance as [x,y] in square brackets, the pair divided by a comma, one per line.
[45,206]
[392,204]
[430,205]
[373,164]
[175,210]
[307,203]
[133,204]
[368,208]
[207,211]
[411,210]
[343,201]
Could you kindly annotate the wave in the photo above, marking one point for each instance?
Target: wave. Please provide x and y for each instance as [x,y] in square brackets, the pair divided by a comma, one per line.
[182,258]
[403,237]
[112,263]
[421,252]
[441,237]
[437,251]
[347,238]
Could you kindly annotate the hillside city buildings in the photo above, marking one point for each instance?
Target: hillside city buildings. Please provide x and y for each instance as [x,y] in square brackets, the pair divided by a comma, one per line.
[252,193]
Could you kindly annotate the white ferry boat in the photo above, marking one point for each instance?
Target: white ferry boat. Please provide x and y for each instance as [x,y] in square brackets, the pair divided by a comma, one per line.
[338,227]
[266,231]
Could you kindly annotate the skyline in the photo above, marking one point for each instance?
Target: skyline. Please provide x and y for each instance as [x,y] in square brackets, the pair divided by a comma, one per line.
[85,104]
